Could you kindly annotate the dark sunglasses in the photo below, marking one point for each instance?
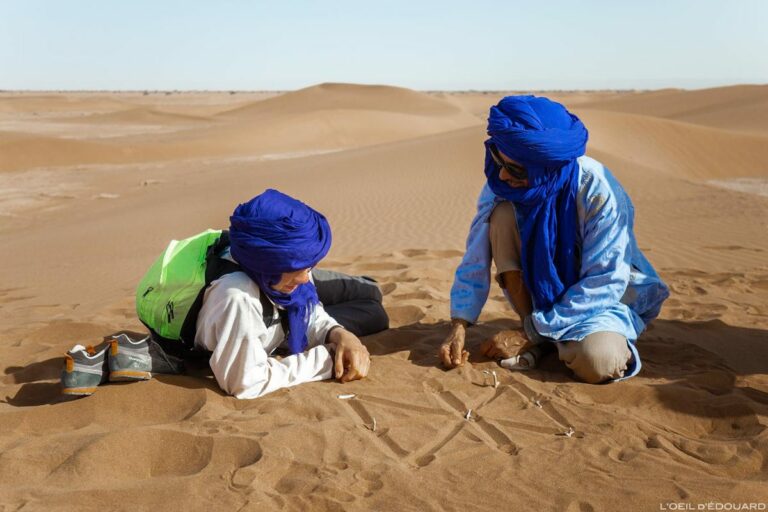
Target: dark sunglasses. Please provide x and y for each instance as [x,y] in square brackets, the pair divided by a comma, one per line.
[515,170]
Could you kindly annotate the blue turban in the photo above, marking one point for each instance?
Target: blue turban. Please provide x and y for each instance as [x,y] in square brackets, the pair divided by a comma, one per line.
[543,136]
[272,234]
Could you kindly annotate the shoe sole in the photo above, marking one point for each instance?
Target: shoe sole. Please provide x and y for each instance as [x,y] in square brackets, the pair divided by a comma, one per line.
[123,375]
[78,391]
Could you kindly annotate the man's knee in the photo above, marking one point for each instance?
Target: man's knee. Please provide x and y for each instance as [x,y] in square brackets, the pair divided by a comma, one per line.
[503,213]
[361,317]
[504,237]
[598,357]
[336,288]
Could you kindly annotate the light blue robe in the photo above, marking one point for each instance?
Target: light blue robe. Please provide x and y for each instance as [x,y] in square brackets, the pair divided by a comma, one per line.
[618,289]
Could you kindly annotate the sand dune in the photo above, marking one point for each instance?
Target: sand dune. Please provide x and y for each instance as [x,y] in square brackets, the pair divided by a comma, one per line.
[676,148]
[397,173]
[57,103]
[741,108]
[334,96]
[478,103]
[140,115]
[25,151]
[321,118]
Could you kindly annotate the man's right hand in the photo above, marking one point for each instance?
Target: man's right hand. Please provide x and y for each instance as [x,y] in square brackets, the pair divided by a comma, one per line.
[351,359]
[452,351]
[505,344]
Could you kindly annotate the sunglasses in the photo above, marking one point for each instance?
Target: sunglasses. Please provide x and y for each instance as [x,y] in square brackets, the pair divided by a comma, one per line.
[515,170]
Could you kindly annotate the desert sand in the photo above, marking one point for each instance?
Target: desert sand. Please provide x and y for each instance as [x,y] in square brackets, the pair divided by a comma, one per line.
[94,185]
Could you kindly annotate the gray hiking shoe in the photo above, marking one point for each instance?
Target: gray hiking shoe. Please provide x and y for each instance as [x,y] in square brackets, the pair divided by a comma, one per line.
[139,359]
[84,369]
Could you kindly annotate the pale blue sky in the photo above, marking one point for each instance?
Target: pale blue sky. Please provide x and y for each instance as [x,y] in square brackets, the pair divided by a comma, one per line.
[430,44]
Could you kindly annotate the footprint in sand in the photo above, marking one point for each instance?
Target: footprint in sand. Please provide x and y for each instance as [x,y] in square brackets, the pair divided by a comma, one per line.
[404,315]
[369,482]
[580,506]
[126,455]
[116,405]
[697,311]
[738,460]
[387,288]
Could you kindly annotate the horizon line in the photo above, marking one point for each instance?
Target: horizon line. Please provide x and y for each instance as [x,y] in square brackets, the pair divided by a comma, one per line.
[148,91]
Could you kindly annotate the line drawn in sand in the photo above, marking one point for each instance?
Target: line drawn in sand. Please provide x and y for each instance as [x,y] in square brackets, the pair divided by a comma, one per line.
[465,416]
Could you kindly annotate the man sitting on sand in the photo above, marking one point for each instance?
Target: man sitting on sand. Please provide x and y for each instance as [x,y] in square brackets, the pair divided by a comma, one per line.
[277,240]
[559,227]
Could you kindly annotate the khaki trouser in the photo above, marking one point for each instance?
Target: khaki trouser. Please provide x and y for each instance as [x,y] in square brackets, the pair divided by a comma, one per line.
[600,356]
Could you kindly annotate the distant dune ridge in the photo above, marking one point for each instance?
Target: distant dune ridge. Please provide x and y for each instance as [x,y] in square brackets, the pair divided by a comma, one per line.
[93,185]
[739,108]
[323,117]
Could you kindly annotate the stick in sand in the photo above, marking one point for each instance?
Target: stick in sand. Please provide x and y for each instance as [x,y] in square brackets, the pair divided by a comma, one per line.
[495,378]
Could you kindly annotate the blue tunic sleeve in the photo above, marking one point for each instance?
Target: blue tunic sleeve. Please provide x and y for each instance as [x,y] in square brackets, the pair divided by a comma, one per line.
[593,303]
[472,281]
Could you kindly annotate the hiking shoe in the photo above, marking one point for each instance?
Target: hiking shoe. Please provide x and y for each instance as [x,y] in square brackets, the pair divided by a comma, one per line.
[84,369]
[137,359]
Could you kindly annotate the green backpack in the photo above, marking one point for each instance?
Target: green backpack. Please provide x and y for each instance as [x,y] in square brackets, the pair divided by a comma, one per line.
[170,295]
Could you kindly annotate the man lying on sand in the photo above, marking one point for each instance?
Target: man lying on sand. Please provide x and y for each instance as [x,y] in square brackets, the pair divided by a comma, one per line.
[277,240]
[559,228]
[263,298]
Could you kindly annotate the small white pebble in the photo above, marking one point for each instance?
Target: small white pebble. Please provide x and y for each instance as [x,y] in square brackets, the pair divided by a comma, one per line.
[373,428]
[569,432]
[537,403]
[346,396]
[468,415]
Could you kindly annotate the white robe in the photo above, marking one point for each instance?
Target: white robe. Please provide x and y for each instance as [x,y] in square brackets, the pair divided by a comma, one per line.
[231,325]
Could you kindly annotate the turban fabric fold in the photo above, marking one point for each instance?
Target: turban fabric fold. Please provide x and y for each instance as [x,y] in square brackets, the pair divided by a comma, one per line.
[543,136]
[273,234]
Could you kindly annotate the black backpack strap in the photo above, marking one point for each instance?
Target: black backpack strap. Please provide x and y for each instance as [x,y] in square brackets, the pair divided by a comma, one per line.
[267,310]
[215,267]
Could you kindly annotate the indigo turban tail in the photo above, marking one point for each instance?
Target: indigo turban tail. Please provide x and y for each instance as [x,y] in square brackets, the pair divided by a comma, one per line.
[272,234]
[543,136]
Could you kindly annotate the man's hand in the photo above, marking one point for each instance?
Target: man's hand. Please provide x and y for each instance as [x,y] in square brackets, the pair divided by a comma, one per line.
[505,344]
[452,351]
[351,360]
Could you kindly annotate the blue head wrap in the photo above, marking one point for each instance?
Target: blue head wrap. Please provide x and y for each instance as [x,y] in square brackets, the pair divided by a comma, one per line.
[543,136]
[272,234]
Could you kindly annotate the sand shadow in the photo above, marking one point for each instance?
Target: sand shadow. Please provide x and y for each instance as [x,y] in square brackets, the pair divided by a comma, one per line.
[422,342]
[679,358]
[34,372]
[698,368]
[33,394]
[38,389]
